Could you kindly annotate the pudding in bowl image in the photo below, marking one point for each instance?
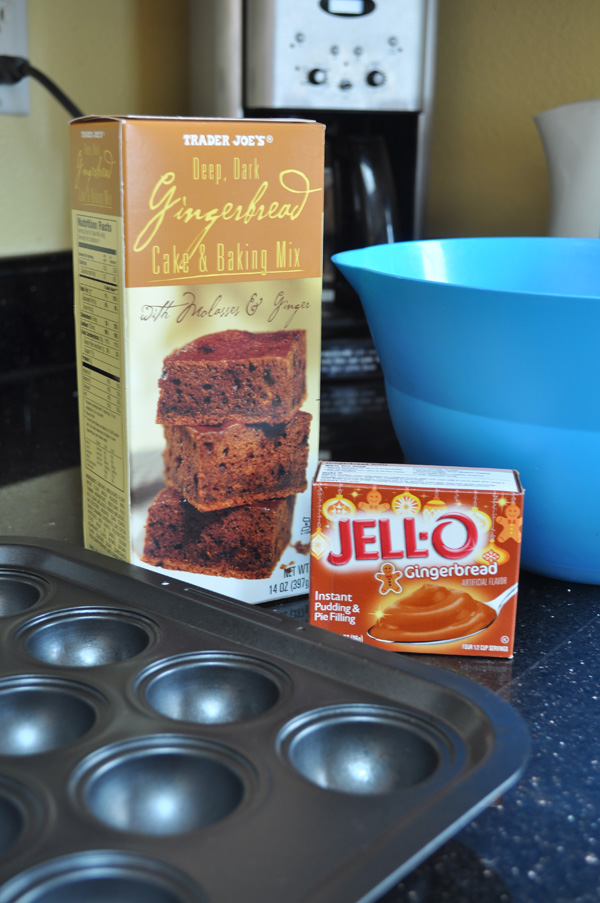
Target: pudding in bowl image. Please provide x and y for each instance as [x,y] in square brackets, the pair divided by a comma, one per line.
[436,614]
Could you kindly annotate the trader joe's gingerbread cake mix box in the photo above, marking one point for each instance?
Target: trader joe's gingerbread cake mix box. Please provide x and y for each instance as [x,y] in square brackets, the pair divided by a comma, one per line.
[198,257]
[417,558]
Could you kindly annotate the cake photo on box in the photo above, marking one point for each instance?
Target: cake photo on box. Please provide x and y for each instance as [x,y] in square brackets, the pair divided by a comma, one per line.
[245,376]
[236,453]
[210,464]
[244,542]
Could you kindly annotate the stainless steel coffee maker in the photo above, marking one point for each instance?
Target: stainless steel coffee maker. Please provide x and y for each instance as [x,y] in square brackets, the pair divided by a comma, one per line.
[365,68]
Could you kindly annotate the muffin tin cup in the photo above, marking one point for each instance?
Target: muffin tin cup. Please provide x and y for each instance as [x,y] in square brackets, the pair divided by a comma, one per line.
[12,821]
[20,815]
[19,592]
[101,876]
[87,637]
[162,785]
[212,687]
[161,744]
[40,714]
[364,750]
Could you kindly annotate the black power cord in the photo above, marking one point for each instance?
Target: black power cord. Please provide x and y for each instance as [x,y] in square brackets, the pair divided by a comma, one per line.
[15,68]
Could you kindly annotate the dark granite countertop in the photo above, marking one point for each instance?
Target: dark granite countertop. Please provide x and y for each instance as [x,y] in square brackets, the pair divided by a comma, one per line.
[541,842]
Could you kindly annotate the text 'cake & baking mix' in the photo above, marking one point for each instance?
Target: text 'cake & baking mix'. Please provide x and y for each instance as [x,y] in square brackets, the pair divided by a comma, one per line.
[197,251]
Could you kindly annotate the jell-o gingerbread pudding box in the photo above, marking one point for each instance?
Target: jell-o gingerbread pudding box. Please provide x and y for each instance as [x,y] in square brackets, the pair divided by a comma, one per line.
[197,248]
[417,558]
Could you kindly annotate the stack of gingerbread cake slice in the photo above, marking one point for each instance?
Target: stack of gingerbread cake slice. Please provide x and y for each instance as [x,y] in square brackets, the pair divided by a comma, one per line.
[236,453]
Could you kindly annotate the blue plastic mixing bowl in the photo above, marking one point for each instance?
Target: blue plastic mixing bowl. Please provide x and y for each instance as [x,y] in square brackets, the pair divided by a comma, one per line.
[489,349]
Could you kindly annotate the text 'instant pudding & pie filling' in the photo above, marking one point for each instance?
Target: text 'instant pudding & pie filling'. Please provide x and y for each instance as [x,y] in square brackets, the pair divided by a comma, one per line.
[417,558]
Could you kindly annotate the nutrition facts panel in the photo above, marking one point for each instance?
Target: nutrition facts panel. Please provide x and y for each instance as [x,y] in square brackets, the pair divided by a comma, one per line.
[99,290]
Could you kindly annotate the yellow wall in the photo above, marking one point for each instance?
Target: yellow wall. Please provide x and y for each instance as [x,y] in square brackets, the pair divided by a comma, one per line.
[499,63]
[113,56]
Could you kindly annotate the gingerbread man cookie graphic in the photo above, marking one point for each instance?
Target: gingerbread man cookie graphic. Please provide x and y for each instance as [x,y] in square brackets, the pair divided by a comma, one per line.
[373,502]
[511,524]
[388,578]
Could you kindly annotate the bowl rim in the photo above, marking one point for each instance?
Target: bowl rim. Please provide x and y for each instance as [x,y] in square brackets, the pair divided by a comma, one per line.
[351,260]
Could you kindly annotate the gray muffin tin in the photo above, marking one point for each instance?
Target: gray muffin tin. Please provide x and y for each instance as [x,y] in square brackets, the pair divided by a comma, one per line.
[160,744]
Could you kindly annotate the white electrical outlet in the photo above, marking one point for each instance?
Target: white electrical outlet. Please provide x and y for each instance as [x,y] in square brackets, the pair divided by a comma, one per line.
[13,42]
